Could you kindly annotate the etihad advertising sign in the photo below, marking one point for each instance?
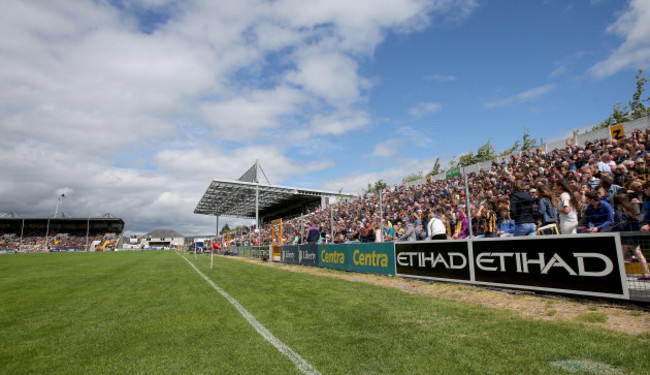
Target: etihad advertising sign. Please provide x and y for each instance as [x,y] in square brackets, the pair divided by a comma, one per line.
[433,259]
[588,265]
[376,258]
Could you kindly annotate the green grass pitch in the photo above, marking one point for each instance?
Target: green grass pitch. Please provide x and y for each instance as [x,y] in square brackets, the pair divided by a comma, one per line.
[150,312]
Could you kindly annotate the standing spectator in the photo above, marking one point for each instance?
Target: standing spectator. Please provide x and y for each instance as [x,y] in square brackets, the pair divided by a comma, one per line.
[521,210]
[377,231]
[625,217]
[409,231]
[626,220]
[644,203]
[436,226]
[420,232]
[313,235]
[546,211]
[568,207]
[372,235]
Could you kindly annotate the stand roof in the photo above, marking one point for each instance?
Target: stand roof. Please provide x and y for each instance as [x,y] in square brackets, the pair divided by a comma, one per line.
[237,199]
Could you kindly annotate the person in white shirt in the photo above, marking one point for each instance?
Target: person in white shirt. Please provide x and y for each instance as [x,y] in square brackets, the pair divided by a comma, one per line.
[436,227]
[567,208]
[605,164]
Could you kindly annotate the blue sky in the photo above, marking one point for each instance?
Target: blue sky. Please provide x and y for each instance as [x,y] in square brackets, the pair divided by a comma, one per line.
[132,107]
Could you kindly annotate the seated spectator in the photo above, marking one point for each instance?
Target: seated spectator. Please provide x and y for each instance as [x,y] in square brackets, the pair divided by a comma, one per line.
[600,215]
[399,230]
[505,225]
[389,230]
[487,221]
[641,168]
[458,226]
[632,177]
[607,182]
[605,165]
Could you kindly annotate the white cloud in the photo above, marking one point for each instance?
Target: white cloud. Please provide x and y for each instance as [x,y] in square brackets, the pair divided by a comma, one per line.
[242,117]
[199,164]
[522,97]
[440,78]
[83,89]
[358,181]
[331,76]
[386,149]
[634,27]
[423,109]
[339,123]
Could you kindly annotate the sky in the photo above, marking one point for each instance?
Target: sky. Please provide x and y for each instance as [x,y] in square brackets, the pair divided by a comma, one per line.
[132,107]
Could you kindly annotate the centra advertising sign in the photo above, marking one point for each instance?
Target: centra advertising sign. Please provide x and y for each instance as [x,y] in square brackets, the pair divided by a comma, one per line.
[373,257]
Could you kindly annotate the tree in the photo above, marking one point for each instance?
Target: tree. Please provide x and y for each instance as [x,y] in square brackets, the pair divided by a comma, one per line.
[380,185]
[436,169]
[240,227]
[621,114]
[225,229]
[636,105]
[413,177]
[511,150]
[486,151]
[527,142]
[377,186]
[467,159]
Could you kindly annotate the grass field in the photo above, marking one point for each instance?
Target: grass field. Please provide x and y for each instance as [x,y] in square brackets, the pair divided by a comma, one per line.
[150,312]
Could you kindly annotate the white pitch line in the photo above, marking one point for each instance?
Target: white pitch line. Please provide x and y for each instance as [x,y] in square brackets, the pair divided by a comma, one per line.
[302,365]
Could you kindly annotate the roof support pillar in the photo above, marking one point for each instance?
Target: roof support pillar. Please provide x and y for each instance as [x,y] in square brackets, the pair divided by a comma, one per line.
[257,215]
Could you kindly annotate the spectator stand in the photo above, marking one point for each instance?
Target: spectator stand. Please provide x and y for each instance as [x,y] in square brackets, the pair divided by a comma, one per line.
[58,234]
[349,220]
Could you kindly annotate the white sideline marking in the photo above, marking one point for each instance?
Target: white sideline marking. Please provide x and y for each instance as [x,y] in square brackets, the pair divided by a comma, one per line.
[302,365]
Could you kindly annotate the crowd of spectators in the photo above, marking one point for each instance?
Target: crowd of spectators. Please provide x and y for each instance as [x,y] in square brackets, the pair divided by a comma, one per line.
[55,242]
[601,186]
